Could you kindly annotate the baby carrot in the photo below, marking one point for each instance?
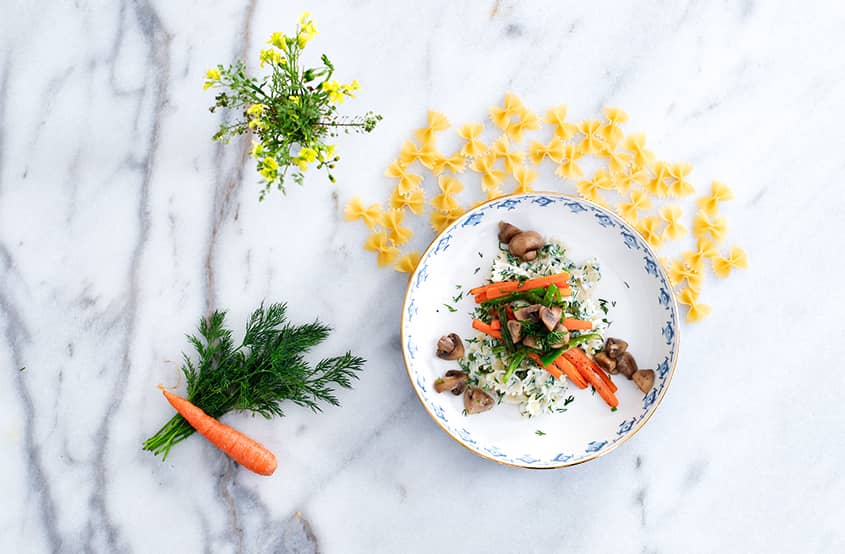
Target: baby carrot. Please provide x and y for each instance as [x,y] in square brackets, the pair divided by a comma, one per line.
[563,364]
[580,360]
[249,453]
[577,324]
[486,329]
[556,373]
[496,324]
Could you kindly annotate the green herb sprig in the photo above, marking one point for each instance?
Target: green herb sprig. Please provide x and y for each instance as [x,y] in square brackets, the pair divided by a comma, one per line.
[265,369]
[292,111]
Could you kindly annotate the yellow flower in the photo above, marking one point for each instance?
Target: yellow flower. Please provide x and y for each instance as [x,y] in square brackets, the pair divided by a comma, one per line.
[355,210]
[736,259]
[212,77]
[408,263]
[414,200]
[630,210]
[470,133]
[269,168]
[272,57]
[696,311]
[719,192]
[672,215]
[257,149]
[308,154]
[709,224]
[306,32]
[354,85]
[392,220]
[648,228]
[304,17]
[334,90]
[294,99]
[271,163]
[379,243]
[256,109]
[278,40]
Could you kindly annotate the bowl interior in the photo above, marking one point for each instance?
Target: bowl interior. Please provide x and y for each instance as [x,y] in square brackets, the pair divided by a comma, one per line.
[644,314]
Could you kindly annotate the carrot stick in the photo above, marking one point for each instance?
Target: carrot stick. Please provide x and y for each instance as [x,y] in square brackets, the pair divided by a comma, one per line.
[577,324]
[580,360]
[604,377]
[496,324]
[556,373]
[486,329]
[563,364]
[501,285]
[249,453]
[560,279]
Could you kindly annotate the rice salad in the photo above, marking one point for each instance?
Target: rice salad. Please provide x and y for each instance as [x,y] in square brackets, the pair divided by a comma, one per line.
[532,388]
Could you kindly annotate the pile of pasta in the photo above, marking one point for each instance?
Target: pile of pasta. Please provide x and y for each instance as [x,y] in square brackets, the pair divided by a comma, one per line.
[628,179]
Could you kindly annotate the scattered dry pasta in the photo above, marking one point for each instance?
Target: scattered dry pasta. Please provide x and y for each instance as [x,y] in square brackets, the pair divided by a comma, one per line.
[627,170]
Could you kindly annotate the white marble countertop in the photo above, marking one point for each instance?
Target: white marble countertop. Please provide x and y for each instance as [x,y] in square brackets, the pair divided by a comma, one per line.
[121,223]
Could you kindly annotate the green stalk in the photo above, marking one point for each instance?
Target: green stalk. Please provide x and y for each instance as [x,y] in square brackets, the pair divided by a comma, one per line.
[515,361]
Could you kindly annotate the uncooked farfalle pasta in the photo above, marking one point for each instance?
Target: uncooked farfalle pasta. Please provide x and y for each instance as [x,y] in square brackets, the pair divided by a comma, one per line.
[629,179]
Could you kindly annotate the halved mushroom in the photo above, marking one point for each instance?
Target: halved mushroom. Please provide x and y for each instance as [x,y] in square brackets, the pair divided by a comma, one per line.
[606,362]
[564,340]
[450,347]
[527,313]
[531,342]
[550,316]
[626,364]
[507,231]
[644,378]
[477,401]
[515,329]
[615,347]
[525,245]
[454,380]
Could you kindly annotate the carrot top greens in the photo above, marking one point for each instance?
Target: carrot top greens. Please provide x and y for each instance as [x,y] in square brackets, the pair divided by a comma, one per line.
[265,369]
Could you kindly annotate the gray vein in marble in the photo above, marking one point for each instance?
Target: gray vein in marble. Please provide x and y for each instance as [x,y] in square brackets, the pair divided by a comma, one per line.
[17,335]
[4,94]
[100,526]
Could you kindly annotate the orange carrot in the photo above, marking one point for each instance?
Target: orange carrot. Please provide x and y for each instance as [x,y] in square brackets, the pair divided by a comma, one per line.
[486,329]
[577,324]
[580,360]
[501,285]
[563,364]
[493,294]
[249,453]
[496,324]
[561,280]
[604,377]
[550,368]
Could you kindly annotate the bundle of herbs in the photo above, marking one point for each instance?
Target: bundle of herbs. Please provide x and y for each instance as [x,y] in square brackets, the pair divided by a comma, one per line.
[267,368]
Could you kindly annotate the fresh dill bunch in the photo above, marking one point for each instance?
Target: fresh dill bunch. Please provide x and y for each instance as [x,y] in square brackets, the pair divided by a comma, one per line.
[265,369]
[292,111]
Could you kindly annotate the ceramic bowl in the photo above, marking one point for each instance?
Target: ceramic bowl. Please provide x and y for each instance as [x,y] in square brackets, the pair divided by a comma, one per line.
[645,315]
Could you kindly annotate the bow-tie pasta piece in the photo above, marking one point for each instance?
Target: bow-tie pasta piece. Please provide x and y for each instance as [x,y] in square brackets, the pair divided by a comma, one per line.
[704,249]
[393,223]
[712,225]
[555,151]
[512,158]
[611,132]
[671,214]
[449,187]
[590,188]
[624,180]
[630,210]
[455,163]
[635,142]
[441,220]
[616,160]
[524,177]
[436,122]
[370,215]
[414,201]
[501,116]
[491,177]
[557,117]
[381,245]
[678,272]
[696,311]
[649,228]
[680,186]
[657,185]
[408,263]
[591,143]
[568,168]
[528,121]
[736,259]
[410,153]
[719,192]
[471,133]
[407,181]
